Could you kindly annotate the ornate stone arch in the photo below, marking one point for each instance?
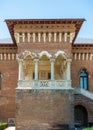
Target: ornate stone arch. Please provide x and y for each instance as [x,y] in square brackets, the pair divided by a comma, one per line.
[28,53]
[45,53]
[60,53]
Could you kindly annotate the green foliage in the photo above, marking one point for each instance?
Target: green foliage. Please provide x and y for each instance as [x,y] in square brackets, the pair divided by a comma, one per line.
[3,125]
[88,128]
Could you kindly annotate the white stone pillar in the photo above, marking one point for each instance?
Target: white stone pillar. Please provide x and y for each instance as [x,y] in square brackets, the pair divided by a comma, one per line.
[75,56]
[65,37]
[49,37]
[60,37]
[87,56]
[55,37]
[44,37]
[17,37]
[68,70]
[9,57]
[20,70]
[91,56]
[1,56]
[39,37]
[23,37]
[79,56]
[36,68]
[83,56]
[52,68]
[72,35]
[28,37]
[34,37]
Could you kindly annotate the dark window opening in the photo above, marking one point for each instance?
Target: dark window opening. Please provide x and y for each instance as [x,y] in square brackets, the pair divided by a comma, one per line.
[84,79]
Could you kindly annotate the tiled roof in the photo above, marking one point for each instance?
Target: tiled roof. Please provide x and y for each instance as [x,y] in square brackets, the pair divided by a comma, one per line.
[83,41]
[6,41]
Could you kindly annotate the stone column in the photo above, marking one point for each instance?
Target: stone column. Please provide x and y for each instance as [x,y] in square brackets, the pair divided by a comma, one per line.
[36,68]
[60,37]
[55,37]
[72,35]
[52,68]
[44,37]
[23,37]
[20,69]
[49,35]
[17,37]
[28,37]
[65,37]
[39,37]
[68,70]
[34,37]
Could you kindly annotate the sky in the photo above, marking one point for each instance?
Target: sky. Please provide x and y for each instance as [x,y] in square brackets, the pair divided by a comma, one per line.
[22,9]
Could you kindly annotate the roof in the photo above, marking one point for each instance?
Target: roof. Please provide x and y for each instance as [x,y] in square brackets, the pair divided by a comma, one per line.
[11,22]
[83,41]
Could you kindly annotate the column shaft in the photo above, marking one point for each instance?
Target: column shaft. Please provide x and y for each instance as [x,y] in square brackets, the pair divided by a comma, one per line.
[68,73]
[20,70]
[36,68]
[52,68]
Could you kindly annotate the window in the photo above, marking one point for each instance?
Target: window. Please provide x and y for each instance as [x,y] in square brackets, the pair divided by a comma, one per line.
[0,80]
[84,79]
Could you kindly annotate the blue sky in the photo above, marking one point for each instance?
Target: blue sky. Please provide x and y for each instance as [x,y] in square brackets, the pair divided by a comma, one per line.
[16,9]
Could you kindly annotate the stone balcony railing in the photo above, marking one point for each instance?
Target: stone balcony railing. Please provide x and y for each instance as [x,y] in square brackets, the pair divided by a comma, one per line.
[44,84]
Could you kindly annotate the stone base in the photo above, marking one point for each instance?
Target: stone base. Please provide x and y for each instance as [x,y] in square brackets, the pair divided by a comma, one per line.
[44,110]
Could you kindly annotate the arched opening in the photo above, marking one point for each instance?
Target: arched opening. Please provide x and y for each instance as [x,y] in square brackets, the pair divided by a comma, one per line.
[44,68]
[81,116]
[28,68]
[84,79]
[60,67]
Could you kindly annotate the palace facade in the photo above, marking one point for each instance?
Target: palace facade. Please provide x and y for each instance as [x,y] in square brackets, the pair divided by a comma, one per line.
[46,80]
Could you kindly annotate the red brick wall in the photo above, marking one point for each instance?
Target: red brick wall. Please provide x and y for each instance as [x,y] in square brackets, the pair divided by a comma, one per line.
[9,70]
[44,109]
[76,68]
[87,103]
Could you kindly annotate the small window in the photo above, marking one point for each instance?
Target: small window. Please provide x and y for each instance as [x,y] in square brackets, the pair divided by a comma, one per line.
[84,79]
[0,80]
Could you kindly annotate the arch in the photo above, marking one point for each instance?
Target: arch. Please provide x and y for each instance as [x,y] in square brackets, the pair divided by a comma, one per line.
[60,53]
[83,79]
[45,53]
[28,65]
[27,57]
[60,67]
[80,116]
[44,69]
[27,53]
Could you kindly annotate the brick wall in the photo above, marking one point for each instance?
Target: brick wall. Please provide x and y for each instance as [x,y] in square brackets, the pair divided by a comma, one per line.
[87,103]
[76,68]
[44,109]
[9,70]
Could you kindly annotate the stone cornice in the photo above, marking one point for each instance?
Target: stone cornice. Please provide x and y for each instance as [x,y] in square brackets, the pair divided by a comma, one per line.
[12,22]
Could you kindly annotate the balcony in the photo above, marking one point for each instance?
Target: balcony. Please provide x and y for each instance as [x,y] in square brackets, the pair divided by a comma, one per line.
[44,84]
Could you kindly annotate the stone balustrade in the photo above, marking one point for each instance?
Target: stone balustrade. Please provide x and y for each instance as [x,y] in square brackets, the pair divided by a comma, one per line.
[44,84]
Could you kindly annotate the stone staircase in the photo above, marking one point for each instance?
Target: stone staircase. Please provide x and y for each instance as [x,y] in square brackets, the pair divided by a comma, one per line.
[84,92]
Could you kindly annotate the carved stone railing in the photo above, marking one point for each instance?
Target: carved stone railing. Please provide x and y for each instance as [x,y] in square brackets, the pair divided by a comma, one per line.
[44,84]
